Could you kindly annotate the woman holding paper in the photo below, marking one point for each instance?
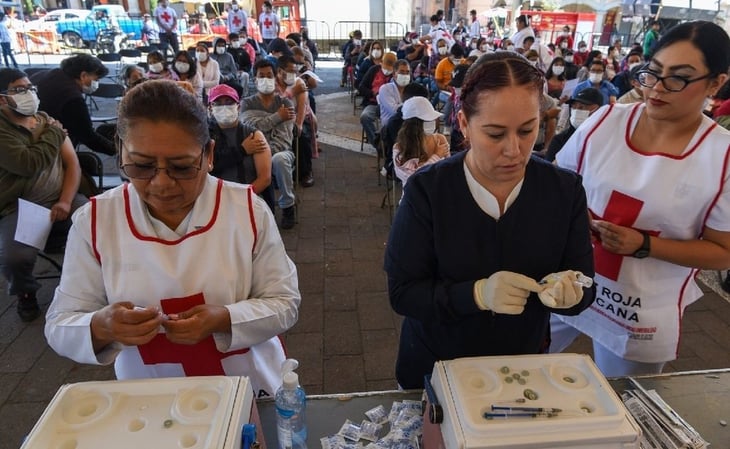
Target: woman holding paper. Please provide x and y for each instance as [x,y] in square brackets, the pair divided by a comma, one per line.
[177,273]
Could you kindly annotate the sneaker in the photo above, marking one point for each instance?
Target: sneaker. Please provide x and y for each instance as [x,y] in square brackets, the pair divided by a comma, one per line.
[307,181]
[28,309]
[288,218]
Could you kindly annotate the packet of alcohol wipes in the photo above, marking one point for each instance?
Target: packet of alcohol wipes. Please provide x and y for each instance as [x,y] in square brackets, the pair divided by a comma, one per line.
[369,431]
[378,415]
[349,431]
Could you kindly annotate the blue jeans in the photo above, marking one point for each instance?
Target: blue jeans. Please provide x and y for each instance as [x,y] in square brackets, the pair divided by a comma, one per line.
[368,118]
[7,51]
[282,167]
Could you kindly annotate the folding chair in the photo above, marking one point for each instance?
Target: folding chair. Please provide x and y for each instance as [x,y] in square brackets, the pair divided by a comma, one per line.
[130,53]
[106,90]
[111,57]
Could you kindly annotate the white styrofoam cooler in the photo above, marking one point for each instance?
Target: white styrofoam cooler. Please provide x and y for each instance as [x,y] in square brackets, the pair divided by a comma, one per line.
[592,416]
[185,412]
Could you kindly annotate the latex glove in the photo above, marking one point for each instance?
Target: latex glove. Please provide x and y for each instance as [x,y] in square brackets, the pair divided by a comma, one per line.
[504,292]
[564,289]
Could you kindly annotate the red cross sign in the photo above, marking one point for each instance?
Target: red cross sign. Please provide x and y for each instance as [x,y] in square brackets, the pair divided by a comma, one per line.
[268,23]
[237,21]
[622,210]
[165,16]
[200,359]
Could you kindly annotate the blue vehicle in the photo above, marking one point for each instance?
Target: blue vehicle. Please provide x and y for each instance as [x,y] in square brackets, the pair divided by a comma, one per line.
[79,33]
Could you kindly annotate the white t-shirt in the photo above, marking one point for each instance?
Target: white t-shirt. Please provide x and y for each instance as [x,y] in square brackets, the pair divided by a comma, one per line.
[269,23]
[165,18]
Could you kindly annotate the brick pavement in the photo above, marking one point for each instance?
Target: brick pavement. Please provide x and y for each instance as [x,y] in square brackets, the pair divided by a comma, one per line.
[347,335]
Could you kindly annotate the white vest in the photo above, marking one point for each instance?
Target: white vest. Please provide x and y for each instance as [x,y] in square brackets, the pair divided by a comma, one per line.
[223,218]
[639,302]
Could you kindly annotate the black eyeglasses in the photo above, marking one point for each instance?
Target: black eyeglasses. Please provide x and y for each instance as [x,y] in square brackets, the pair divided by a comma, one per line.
[149,171]
[21,89]
[672,83]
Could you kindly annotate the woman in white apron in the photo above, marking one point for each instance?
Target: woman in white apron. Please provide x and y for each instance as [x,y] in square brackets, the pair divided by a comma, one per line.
[657,180]
[177,273]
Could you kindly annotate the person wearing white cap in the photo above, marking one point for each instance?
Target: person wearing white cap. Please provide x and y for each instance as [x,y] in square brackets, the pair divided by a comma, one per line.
[416,145]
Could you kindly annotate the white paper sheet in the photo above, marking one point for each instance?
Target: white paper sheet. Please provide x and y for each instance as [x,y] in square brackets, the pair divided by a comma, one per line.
[34,224]
[569,88]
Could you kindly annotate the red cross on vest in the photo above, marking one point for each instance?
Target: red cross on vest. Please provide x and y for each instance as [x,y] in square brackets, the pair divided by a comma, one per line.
[268,23]
[200,359]
[166,16]
[236,20]
[621,210]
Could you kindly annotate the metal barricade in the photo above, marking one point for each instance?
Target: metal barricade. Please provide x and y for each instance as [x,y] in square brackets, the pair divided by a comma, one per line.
[389,33]
[38,41]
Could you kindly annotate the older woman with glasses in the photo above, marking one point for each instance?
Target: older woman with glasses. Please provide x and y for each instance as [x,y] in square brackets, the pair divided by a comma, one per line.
[656,176]
[177,273]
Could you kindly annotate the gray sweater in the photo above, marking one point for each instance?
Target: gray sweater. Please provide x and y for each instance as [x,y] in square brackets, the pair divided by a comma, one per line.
[278,133]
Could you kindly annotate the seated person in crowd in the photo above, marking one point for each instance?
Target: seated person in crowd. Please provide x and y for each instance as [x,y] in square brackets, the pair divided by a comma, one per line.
[37,164]
[375,54]
[350,52]
[187,70]
[241,152]
[443,74]
[390,96]
[293,88]
[597,80]
[389,132]
[242,58]
[132,75]
[207,67]
[138,295]
[61,92]
[377,76]
[274,116]
[226,65]
[158,67]
[414,147]
[581,107]
[636,94]
[623,79]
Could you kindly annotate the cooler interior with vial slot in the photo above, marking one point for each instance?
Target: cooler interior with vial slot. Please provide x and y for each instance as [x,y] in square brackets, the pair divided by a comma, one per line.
[590,415]
[187,413]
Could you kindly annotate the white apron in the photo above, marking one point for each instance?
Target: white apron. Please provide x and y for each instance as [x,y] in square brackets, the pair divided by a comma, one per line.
[639,302]
[180,279]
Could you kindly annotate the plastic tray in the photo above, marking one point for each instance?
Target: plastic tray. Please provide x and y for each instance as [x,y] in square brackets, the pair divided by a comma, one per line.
[187,413]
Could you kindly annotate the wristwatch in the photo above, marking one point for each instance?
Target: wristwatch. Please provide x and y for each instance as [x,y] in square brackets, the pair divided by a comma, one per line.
[645,247]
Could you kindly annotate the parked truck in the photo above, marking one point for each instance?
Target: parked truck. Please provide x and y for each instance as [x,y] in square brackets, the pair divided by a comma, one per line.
[79,33]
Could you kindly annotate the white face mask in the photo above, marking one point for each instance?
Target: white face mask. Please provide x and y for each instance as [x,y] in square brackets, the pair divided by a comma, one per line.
[91,88]
[402,79]
[290,79]
[220,50]
[225,115]
[25,103]
[581,49]
[442,50]
[631,66]
[182,67]
[236,44]
[357,42]
[558,69]
[235,7]
[156,67]
[578,116]
[473,45]
[569,59]
[595,77]
[510,48]
[265,85]
[563,45]
[376,53]
[202,56]
[484,48]
[533,63]
[387,72]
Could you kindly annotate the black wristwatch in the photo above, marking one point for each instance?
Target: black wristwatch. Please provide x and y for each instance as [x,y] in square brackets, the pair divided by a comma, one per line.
[645,247]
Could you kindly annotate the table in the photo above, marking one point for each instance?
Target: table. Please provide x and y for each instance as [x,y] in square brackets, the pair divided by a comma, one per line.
[702,398]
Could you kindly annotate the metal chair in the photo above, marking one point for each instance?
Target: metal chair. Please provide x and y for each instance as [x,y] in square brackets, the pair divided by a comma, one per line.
[130,53]
[106,90]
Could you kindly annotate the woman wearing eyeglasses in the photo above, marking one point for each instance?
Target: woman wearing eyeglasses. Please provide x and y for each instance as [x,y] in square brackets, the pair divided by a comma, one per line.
[656,176]
[176,273]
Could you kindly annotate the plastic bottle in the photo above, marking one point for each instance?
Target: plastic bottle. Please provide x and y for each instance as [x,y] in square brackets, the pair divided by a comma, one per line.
[291,403]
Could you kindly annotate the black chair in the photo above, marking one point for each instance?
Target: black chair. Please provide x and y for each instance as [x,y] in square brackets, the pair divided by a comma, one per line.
[30,71]
[93,169]
[109,57]
[45,274]
[106,90]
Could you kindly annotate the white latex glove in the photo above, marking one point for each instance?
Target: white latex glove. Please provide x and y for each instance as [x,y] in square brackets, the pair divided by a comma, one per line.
[504,292]
[562,290]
